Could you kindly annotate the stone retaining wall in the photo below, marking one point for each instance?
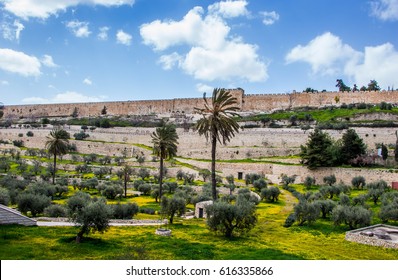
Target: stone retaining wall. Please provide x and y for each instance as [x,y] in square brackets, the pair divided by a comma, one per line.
[356,236]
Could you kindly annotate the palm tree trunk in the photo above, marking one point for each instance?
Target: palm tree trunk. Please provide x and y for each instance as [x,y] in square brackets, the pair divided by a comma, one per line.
[55,167]
[161,177]
[213,166]
[125,184]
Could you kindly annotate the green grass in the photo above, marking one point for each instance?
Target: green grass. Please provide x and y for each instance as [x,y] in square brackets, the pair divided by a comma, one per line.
[192,240]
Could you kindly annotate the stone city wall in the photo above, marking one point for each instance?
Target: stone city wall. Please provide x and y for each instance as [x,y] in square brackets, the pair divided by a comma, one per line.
[247,103]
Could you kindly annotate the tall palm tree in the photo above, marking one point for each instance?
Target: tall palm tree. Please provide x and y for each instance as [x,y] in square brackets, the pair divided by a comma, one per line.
[218,124]
[57,144]
[165,143]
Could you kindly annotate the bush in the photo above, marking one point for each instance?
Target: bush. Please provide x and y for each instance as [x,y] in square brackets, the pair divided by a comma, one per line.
[306,212]
[228,219]
[145,189]
[81,135]
[4,196]
[290,220]
[325,206]
[32,202]
[42,189]
[29,134]
[77,202]
[18,143]
[112,191]
[271,194]
[259,184]
[376,190]
[309,182]
[358,182]
[353,216]
[55,211]
[389,207]
[329,180]
[125,211]
[149,211]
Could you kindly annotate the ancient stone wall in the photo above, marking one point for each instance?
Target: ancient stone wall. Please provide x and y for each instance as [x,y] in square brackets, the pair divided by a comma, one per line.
[250,102]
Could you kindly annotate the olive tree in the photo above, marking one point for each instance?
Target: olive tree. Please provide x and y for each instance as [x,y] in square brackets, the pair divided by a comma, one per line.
[229,219]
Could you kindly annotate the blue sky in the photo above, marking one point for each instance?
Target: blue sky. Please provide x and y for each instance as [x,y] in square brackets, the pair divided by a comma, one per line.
[57,51]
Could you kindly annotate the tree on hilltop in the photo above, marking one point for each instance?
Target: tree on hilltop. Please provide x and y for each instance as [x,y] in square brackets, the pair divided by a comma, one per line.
[218,124]
[342,86]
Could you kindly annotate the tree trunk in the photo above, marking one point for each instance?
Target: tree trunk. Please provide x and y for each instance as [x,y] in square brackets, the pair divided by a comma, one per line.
[79,236]
[213,167]
[161,177]
[55,167]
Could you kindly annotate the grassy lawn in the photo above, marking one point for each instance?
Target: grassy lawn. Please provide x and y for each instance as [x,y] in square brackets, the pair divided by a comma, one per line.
[192,240]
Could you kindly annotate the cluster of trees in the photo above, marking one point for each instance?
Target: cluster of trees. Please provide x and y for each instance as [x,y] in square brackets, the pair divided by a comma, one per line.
[321,151]
[372,86]
[332,202]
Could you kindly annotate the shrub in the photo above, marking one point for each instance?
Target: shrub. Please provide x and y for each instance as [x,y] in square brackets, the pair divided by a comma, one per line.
[18,143]
[55,211]
[149,211]
[81,135]
[77,202]
[4,196]
[228,219]
[305,211]
[32,202]
[145,189]
[271,194]
[389,207]
[29,134]
[259,184]
[172,206]
[376,190]
[125,211]
[325,206]
[112,191]
[42,189]
[286,180]
[290,220]
[329,180]
[353,216]
[309,181]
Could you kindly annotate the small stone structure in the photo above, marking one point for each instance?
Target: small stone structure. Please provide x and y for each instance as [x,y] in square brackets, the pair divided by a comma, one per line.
[200,208]
[163,232]
[10,216]
[377,235]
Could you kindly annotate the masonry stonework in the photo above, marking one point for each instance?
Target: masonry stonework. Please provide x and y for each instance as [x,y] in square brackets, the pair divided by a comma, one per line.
[247,102]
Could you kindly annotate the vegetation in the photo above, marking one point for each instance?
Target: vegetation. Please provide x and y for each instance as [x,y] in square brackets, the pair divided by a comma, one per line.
[57,144]
[218,124]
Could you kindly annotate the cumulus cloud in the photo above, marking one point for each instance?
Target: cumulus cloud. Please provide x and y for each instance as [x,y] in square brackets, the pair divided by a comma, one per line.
[123,38]
[269,18]
[213,53]
[11,31]
[48,61]
[67,97]
[19,63]
[378,63]
[229,9]
[385,9]
[103,34]
[325,54]
[44,8]
[79,28]
[328,55]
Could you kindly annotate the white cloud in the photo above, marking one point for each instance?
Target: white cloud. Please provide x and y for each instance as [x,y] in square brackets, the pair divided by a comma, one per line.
[19,63]
[212,54]
[169,61]
[79,28]
[4,83]
[87,81]
[326,54]
[204,88]
[45,8]
[270,17]
[123,38]
[12,31]
[48,61]
[103,34]
[67,97]
[385,9]
[229,9]
[378,63]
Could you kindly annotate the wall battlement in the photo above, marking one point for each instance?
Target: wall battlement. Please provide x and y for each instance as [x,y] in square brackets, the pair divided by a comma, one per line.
[247,102]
